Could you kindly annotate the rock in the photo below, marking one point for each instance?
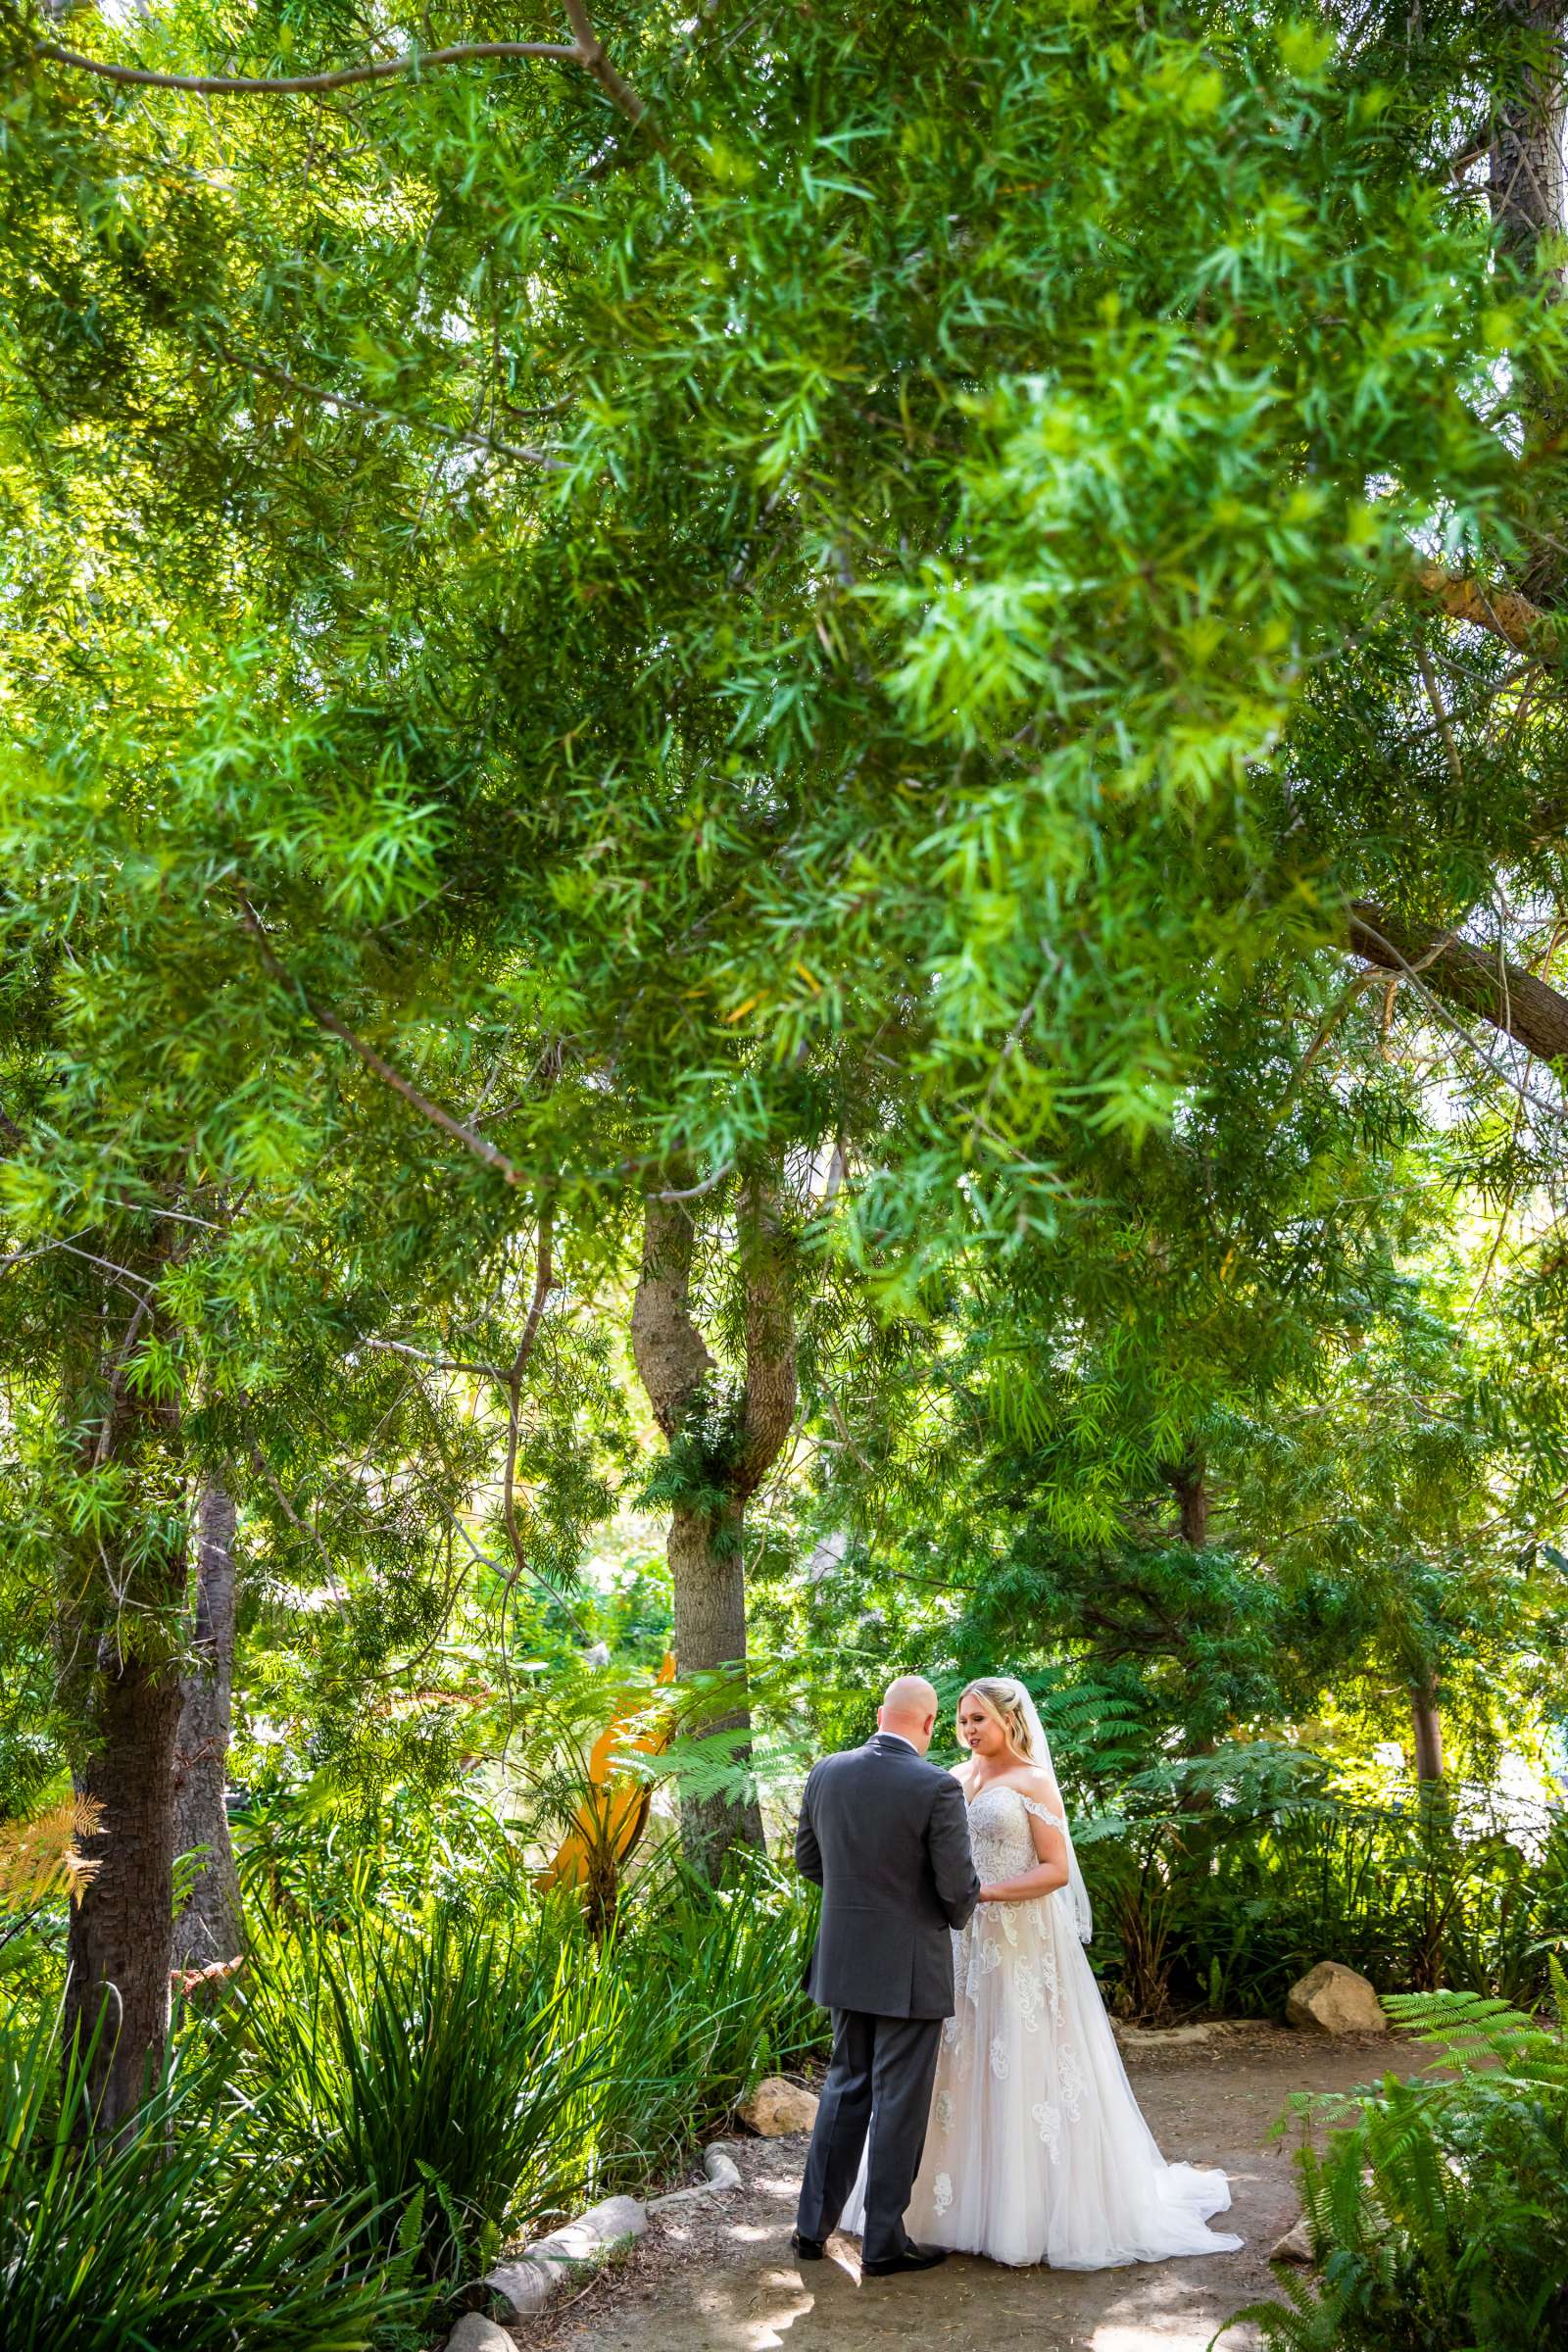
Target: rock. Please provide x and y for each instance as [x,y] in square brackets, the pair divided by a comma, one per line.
[1295,2245]
[1332,1998]
[724,2173]
[551,2263]
[1163,2037]
[718,2163]
[475,2334]
[776,2108]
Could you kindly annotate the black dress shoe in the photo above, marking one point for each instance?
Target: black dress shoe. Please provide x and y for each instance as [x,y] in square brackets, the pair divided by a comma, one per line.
[914,2257]
[806,2249]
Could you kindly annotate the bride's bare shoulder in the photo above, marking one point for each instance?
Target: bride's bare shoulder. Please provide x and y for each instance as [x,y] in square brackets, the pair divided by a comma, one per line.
[1033,1780]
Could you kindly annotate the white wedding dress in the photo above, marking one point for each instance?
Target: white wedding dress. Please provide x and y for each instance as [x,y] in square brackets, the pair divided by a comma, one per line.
[1037,2151]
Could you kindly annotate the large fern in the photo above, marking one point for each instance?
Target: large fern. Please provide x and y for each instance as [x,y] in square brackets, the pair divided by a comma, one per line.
[1439,2217]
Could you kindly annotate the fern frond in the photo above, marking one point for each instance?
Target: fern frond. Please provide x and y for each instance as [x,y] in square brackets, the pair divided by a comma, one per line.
[42,1856]
[1466,2025]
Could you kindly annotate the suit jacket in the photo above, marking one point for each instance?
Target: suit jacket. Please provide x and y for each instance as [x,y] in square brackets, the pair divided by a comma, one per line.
[886,1836]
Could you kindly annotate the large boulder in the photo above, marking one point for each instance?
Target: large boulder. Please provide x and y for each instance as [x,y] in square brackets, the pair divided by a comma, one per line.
[1332,1998]
[776,2108]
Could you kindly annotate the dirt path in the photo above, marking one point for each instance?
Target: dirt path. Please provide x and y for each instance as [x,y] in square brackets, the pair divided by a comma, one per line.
[719,2277]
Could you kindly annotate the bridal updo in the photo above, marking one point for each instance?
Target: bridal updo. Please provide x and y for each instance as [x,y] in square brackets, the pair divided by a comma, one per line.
[1004,1700]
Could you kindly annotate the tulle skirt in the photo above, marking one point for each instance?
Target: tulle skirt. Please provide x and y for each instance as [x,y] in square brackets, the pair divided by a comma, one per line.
[1037,2150]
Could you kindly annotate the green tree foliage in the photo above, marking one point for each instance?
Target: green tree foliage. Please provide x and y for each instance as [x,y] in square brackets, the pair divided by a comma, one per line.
[926,596]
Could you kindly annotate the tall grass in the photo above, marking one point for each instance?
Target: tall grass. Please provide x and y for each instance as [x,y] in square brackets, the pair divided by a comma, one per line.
[479,2078]
[432,2068]
[699,1997]
[172,2241]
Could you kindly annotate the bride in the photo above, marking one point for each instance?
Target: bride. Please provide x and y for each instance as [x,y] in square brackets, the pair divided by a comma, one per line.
[1035,2149]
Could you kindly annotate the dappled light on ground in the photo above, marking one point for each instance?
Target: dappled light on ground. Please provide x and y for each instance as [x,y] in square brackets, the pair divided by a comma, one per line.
[721,2277]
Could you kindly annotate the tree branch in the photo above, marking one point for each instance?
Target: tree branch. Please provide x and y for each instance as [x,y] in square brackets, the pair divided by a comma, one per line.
[1503,993]
[437,1364]
[478,1144]
[244,85]
[272,373]
[512,1382]
[695,1192]
[585,49]
[771,1385]
[1501,611]
[589,53]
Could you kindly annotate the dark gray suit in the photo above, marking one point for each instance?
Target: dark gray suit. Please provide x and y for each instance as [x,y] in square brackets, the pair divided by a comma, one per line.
[886,1836]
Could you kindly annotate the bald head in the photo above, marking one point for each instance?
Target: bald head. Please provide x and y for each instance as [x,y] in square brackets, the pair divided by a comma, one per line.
[909,1708]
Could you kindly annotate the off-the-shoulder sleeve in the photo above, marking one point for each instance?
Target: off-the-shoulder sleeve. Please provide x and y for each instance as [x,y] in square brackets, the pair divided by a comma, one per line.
[1041,1812]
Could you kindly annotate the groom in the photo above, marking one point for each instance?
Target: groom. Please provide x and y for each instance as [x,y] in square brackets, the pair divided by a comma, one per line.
[886,1836]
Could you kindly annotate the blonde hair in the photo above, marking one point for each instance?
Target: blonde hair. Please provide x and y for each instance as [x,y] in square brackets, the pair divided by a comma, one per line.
[1004,1701]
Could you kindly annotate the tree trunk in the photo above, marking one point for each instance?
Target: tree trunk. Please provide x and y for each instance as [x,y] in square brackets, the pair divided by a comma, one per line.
[1190,1482]
[119,1636]
[707,1570]
[209,1926]
[706,1554]
[122,1931]
[1426,1725]
[1526,186]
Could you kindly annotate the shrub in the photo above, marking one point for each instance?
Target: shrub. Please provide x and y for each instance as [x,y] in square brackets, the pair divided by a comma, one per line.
[171,2237]
[488,2077]
[1440,2216]
[440,2069]
[1226,1877]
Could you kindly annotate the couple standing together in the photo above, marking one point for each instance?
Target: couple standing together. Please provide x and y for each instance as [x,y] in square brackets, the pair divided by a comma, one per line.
[976,2092]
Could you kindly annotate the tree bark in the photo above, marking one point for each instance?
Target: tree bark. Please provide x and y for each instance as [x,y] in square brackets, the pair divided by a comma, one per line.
[121,1945]
[1191,1484]
[1471,979]
[1426,1725]
[209,1926]
[672,1362]
[706,1533]
[120,1641]
[1526,180]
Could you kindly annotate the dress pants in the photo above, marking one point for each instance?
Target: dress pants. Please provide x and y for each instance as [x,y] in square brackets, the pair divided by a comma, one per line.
[879,2076]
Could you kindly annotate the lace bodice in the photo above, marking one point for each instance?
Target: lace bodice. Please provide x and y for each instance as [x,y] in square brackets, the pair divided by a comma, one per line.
[1000,1833]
